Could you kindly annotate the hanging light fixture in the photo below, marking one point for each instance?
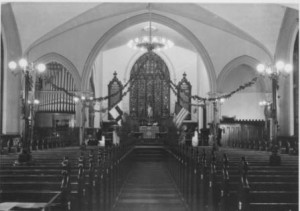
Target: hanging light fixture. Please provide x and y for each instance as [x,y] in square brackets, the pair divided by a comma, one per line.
[150,43]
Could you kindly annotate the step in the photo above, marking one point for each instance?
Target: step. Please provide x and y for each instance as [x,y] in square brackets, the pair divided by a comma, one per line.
[141,200]
[138,190]
[261,186]
[149,207]
[153,195]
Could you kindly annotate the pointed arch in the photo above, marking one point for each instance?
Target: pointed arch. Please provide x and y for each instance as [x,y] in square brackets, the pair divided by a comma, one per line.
[151,87]
[242,60]
[138,54]
[55,57]
[159,19]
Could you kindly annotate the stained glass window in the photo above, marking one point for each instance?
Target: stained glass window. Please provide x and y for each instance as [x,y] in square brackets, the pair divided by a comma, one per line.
[150,87]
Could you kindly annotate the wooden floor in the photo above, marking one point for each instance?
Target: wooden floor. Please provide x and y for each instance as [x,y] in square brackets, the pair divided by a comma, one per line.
[149,186]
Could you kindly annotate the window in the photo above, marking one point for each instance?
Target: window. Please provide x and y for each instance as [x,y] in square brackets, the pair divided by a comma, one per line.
[151,87]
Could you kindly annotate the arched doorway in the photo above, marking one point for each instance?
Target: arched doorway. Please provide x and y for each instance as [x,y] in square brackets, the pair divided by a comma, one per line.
[151,87]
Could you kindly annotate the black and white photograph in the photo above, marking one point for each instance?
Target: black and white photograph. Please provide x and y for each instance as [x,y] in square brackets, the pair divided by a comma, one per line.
[149,106]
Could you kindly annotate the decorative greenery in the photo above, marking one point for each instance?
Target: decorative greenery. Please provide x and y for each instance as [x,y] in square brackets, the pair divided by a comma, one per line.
[171,84]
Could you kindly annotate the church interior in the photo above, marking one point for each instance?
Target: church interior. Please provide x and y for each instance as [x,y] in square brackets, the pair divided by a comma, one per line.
[149,106]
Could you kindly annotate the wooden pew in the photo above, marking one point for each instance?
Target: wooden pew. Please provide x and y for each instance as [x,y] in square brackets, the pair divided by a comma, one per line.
[242,180]
[39,183]
[270,187]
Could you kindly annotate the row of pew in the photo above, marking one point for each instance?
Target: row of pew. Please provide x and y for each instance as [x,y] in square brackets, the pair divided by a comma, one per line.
[15,145]
[233,179]
[64,179]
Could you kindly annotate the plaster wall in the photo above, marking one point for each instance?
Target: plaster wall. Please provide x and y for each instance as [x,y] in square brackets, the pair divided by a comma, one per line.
[245,103]
[244,106]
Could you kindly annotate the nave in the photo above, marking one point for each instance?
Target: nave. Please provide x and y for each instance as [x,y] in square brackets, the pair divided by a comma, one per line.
[164,177]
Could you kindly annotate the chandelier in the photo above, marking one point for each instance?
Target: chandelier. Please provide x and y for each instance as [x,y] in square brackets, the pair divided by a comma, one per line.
[150,43]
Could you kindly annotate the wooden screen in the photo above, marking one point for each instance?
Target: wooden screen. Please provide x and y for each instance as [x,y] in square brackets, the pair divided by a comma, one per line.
[150,88]
[184,89]
[52,100]
[114,86]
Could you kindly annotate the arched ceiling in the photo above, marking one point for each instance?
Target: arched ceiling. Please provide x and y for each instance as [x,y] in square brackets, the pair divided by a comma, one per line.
[256,23]
[36,19]
[261,21]
[137,30]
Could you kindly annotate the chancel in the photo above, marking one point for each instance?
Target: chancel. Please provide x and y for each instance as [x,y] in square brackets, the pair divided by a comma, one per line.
[149,106]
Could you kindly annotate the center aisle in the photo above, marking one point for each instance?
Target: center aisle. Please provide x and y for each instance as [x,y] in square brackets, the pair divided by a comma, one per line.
[149,187]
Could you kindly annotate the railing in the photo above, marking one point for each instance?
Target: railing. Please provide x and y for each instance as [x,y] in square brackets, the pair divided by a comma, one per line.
[245,134]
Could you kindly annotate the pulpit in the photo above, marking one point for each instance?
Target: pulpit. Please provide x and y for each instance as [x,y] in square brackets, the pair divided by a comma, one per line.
[149,132]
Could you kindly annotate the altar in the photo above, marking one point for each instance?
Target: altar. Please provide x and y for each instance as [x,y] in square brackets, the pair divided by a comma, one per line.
[149,132]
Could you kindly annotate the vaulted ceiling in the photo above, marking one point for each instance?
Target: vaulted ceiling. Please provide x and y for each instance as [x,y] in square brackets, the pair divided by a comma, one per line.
[256,23]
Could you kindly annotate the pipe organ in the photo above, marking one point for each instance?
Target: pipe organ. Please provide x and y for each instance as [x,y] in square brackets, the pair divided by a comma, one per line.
[51,99]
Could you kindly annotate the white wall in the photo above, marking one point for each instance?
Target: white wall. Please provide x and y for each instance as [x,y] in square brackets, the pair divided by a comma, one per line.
[244,106]
[245,103]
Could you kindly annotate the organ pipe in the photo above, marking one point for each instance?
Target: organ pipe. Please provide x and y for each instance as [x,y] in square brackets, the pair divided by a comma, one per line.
[53,100]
